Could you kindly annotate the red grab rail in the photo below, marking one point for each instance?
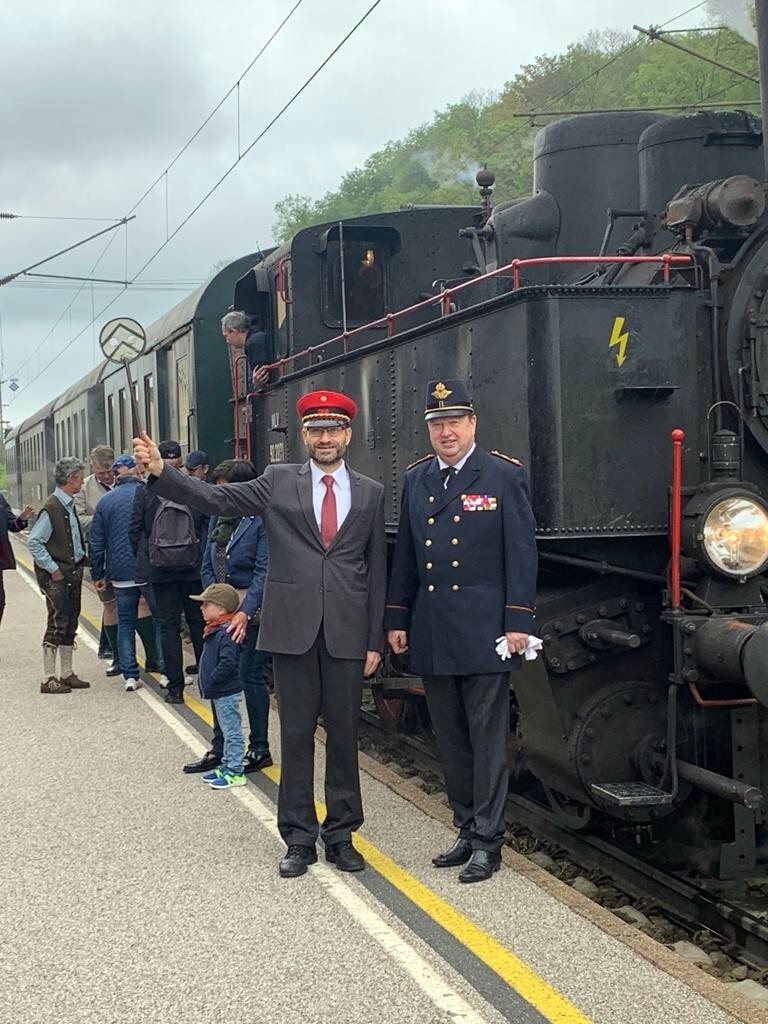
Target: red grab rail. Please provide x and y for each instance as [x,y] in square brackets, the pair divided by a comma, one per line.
[676,517]
[444,298]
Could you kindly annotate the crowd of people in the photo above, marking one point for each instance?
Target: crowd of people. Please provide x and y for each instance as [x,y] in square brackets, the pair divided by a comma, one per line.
[293,564]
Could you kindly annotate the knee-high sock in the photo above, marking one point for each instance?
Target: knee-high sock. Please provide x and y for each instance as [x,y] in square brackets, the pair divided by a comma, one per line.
[65,662]
[111,632]
[146,629]
[49,662]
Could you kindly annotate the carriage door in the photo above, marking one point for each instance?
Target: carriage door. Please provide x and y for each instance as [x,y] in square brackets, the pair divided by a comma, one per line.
[180,383]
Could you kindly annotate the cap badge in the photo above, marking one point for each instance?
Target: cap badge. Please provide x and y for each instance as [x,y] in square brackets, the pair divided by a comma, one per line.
[441,392]
[323,398]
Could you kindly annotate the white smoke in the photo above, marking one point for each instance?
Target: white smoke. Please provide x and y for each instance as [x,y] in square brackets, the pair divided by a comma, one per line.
[734,14]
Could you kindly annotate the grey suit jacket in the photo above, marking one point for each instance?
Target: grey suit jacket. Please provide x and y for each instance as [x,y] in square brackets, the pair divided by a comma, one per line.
[343,588]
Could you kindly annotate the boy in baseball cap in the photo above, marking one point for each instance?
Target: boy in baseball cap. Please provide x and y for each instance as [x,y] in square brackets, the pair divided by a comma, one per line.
[219,680]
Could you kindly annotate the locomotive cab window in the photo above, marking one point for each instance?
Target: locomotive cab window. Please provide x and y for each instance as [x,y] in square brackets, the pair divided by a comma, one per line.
[356,275]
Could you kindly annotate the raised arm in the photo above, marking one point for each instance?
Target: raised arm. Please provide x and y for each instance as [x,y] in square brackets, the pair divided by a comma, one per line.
[244,499]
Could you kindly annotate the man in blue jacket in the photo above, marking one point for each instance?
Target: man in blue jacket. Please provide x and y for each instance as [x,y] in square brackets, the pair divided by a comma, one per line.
[113,559]
[237,554]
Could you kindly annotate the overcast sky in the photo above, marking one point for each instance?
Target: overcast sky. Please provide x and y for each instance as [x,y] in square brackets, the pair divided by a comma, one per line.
[99,96]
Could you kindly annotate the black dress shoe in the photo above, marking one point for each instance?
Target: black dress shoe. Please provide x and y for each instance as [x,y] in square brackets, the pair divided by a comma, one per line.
[296,860]
[459,853]
[113,670]
[174,698]
[344,856]
[480,866]
[207,763]
[255,762]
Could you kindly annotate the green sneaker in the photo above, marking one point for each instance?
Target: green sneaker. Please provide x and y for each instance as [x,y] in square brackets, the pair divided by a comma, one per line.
[227,780]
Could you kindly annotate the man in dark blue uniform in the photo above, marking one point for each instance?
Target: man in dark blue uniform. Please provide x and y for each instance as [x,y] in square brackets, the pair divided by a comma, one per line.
[463,577]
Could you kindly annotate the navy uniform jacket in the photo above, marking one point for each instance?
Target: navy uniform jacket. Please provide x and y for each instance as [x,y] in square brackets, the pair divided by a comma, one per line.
[464,569]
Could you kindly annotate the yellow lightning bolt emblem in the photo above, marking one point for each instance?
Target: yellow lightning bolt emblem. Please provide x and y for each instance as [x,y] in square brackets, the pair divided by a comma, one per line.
[620,338]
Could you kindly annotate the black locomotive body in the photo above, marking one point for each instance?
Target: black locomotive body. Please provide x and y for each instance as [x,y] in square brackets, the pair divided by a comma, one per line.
[647,709]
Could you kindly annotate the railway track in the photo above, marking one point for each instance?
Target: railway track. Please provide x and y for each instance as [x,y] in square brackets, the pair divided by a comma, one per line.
[731,918]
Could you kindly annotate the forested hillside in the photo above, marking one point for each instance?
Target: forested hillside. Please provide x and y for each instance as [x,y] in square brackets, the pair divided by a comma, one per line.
[436,162]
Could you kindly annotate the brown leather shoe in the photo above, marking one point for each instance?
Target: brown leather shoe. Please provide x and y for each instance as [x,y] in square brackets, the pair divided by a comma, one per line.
[54,685]
[74,683]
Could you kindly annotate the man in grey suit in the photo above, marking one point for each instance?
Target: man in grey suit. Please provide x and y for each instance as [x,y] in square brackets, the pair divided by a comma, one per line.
[322,615]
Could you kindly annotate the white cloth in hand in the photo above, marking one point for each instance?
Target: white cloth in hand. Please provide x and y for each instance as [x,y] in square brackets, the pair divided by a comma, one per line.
[530,653]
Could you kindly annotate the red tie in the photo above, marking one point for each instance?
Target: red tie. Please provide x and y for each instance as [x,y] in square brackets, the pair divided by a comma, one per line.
[328,521]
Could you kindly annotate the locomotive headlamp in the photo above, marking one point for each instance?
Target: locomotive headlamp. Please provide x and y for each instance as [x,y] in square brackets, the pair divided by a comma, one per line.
[733,535]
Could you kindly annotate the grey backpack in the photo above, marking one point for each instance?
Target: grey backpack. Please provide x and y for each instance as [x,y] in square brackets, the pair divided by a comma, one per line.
[173,542]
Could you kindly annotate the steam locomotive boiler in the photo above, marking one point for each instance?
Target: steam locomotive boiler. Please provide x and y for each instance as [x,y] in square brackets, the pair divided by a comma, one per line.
[624,302]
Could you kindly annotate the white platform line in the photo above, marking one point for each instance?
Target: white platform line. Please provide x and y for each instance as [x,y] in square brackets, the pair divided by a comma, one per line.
[439,992]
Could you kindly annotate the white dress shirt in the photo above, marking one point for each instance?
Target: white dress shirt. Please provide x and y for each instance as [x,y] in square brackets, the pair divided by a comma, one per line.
[457,466]
[342,490]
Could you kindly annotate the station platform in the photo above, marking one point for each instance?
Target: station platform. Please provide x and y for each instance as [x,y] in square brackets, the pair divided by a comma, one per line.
[133,894]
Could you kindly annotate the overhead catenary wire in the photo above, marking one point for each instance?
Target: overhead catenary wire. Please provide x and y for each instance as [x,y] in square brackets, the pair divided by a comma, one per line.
[186,145]
[286,106]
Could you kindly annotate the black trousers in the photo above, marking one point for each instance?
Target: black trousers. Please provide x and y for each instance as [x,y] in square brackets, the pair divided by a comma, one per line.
[2,596]
[470,715]
[171,598]
[307,686]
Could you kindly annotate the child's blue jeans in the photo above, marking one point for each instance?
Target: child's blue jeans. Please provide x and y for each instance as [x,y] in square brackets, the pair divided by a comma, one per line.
[228,714]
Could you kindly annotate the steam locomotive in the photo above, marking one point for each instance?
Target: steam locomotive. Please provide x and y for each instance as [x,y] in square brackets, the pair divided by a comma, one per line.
[625,301]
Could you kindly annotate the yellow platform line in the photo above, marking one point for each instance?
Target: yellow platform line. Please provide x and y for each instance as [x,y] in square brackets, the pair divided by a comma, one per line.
[511,969]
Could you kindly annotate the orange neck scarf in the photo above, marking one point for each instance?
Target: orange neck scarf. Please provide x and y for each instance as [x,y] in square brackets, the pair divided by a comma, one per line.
[215,623]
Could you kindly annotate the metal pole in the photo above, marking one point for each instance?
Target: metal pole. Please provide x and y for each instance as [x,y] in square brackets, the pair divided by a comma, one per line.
[761,21]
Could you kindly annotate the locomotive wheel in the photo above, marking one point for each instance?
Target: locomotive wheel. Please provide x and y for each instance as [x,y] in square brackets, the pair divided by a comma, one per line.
[397,711]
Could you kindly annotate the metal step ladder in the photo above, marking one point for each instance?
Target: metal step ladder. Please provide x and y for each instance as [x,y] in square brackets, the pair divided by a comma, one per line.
[631,794]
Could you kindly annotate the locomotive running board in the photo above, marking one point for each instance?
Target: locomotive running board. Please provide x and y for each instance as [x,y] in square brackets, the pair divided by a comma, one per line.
[630,794]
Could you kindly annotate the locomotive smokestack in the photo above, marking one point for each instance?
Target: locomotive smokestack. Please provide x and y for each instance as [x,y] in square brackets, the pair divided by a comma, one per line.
[761,18]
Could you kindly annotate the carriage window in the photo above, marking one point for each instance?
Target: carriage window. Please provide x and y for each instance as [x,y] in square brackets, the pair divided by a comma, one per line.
[364,273]
[121,413]
[111,420]
[182,396]
[149,404]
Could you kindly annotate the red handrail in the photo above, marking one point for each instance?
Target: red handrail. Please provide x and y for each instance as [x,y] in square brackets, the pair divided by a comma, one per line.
[236,394]
[676,516]
[444,298]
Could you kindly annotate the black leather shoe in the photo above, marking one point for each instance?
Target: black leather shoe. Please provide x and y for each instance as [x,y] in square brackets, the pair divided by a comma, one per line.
[174,698]
[207,763]
[480,866]
[296,860]
[255,762]
[459,853]
[344,856]
[113,670]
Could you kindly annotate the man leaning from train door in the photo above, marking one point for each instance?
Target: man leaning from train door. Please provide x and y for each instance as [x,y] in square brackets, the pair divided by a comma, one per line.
[463,577]
[321,617]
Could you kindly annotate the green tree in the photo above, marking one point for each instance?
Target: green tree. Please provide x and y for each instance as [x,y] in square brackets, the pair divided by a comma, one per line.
[436,162]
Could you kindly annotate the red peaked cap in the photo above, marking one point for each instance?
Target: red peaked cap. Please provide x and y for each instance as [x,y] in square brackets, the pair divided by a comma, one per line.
[326,409]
